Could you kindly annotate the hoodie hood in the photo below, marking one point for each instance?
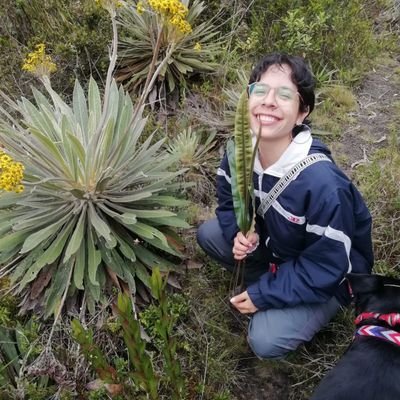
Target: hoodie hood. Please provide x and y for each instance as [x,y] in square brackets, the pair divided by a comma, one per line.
[301,146]
[318,147]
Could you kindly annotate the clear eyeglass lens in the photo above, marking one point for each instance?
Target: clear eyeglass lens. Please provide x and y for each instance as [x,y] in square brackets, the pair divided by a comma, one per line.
[262,89]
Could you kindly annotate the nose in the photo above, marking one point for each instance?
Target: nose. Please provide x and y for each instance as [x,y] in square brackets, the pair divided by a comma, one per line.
[269,99]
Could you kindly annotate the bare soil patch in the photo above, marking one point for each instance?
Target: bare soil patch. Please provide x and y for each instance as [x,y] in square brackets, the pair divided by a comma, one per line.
[375,97]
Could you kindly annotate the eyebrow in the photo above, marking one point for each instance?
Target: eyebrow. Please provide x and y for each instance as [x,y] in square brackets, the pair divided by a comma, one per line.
[276,87]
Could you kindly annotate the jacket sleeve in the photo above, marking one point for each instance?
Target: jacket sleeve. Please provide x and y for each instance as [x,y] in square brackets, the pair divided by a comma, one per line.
[225,211]
[314,275]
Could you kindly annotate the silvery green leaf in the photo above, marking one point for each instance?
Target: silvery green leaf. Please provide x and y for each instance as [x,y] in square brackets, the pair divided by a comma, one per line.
[94,260]
[12,240]
[89,178]
[151,260]
[38,237]
[54,251]
[94,101]
[99,225]
[170,221]
[142,273]
[80,110]
[80,266]
[126,248]
[77,237]
[59,284]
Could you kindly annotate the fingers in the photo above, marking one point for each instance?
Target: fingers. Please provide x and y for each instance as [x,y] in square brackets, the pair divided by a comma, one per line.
[253,238]
[240,297]
[243,303]
[240,246]
[239,252]
[243,245]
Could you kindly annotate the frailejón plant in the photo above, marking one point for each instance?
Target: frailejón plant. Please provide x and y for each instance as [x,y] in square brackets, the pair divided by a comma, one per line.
[156,29]
[94,208]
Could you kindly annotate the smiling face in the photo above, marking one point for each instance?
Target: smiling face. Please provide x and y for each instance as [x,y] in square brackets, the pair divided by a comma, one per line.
[278,109]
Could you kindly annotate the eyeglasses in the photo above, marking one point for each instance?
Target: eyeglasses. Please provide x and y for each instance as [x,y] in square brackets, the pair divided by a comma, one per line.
[283,94]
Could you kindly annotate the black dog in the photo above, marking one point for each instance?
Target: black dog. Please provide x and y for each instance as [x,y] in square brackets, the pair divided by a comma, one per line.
[370,368]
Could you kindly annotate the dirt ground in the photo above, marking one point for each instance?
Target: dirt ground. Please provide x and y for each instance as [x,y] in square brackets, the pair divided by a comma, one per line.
[375,98]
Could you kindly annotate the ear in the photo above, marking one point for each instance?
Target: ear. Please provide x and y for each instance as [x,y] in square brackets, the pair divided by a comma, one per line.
[301,116]
[365,283]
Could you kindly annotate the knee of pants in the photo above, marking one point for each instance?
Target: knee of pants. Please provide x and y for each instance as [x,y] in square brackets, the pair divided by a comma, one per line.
[209,235]
[265,346]
[201,236]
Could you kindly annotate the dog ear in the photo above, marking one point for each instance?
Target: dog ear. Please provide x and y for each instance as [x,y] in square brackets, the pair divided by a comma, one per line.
[365,283]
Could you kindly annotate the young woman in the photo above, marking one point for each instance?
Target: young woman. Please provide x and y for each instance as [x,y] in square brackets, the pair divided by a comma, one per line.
[315,232]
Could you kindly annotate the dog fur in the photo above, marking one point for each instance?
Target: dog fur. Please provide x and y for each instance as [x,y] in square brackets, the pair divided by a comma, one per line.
[370,368]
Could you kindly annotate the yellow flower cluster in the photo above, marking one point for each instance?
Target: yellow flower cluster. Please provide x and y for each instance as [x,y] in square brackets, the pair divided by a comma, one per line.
[169,7]
[11,174]
[173,10]
[197,46]
[140,7]
[38,62]
[107,4]
[181,24]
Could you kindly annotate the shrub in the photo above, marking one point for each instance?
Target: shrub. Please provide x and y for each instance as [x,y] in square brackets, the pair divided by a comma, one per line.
[197,155]
[94,207]
[143,371]
[146,34]
[231,97]
[77,32]
[192,352]
[18,346]
[12,30]
[318,30]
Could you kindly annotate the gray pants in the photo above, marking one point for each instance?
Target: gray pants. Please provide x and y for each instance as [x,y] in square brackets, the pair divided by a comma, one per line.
[274,332]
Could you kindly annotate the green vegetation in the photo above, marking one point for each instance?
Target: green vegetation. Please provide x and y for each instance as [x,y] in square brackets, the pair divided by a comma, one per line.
[335,104]
[85,212]
[190,52]
[320,31]
[107,181]
[20,345]
[174,362]
[379,183]
[95,204]
[77,34]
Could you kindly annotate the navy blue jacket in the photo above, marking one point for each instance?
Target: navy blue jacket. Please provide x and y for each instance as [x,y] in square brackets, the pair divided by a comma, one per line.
[316,231]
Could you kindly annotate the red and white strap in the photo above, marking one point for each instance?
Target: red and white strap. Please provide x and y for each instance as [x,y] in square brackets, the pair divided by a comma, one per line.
[392,319]
[379,332]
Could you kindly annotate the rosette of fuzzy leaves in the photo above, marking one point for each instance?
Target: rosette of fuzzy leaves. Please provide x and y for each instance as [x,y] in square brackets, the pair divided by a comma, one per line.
[94,209]
[193,52]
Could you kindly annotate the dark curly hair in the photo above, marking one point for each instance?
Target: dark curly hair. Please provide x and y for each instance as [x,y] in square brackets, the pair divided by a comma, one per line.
[301,76]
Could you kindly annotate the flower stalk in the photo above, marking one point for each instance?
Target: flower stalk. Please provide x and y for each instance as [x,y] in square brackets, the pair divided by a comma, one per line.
[241,156]
[173,13]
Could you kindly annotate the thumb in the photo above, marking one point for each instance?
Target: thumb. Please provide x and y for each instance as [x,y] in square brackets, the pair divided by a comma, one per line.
[240,297]
[253,238]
